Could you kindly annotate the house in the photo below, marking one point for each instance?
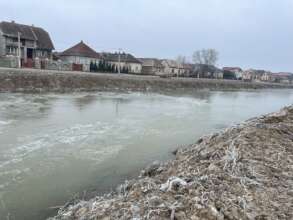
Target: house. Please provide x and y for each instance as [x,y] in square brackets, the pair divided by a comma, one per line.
[253,75]
[187,68]
[206,71]
[128,63]
[80,56]
[236,70]
[258,76]
[151,66]
[172,67]
[34,42]
[267,76]
[282,77]
[247,75]
[218,74]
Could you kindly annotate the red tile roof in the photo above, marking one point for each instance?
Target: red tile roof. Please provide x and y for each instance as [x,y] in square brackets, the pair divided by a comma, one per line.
[81,50]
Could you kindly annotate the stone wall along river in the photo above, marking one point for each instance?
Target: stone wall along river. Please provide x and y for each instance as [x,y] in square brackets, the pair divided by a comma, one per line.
[29,80]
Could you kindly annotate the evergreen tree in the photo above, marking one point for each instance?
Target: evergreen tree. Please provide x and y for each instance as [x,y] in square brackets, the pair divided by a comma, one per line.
[91,66]
[229,75]
[95,67]
[100,66]
[108,67]
[104,66]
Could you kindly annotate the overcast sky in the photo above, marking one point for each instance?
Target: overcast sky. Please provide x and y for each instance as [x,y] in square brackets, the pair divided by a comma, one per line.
[247,33]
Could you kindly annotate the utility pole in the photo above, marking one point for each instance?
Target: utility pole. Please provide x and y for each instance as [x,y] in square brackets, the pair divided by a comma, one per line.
[119,60]
[19,51]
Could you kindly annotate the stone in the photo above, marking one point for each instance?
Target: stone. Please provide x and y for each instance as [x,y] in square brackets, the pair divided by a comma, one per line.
[180,216]
[173,183]
[155,201]
[151,170]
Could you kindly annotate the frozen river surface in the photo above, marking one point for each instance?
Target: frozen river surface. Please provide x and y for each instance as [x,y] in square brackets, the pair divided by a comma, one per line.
[53,146]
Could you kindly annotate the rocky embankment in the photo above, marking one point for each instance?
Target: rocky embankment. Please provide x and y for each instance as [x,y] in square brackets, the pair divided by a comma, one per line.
[30,80]
[243,172]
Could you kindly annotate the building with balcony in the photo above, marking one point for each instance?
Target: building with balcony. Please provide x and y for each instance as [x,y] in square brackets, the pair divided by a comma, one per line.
[34,42]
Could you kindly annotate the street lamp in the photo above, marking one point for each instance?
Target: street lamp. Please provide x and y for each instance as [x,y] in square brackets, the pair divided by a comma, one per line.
[19,51]
[119,60]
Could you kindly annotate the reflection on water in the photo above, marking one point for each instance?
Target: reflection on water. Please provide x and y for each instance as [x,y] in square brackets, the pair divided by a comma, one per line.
[53,146]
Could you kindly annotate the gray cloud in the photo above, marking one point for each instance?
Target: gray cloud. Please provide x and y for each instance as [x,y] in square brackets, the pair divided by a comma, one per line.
[251,33]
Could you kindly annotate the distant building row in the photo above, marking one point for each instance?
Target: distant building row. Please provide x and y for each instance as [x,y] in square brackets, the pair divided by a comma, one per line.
[83,57]
[36,51]
[35,48]
[253,75]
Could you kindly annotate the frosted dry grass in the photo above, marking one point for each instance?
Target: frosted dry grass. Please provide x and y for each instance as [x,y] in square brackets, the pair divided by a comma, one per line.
[244,172]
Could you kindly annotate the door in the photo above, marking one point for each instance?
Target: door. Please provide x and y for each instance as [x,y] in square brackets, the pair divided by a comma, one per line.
[29,53]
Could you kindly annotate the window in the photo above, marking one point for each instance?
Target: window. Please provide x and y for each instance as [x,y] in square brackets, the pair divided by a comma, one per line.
[41,53]
[11,50]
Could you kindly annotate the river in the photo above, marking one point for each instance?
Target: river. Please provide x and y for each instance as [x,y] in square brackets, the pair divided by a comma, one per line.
[54,147]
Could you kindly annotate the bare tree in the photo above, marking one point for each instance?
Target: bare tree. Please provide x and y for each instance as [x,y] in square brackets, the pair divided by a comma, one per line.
[181,59]
[197,57]
[205,56]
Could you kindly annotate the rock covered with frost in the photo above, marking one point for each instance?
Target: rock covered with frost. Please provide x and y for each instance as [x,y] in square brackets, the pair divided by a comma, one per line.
[243,172]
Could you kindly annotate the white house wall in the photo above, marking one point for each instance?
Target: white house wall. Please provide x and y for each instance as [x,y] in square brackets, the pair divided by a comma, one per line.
[133,67]
[2,44]
[238,74]
[170,70]
[79,60]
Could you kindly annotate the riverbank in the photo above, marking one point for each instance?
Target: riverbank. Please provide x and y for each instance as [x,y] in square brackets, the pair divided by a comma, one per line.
[243,172]
[32,80]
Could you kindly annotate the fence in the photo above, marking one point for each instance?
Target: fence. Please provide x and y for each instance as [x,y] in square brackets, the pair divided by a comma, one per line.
[9,62]
[57,65]
[12,62]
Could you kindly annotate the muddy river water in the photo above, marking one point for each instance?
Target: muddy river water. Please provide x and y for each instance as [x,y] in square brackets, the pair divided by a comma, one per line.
[54,147]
